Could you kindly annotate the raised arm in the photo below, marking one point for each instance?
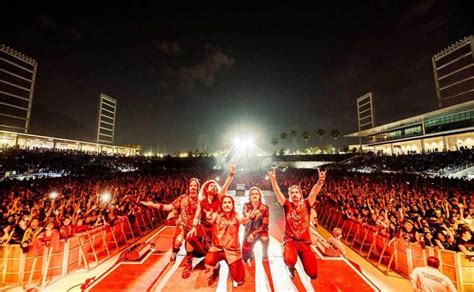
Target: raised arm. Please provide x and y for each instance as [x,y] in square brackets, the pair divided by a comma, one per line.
[165,207]
[280,197]
[317,187]
[227,182]
[197,215]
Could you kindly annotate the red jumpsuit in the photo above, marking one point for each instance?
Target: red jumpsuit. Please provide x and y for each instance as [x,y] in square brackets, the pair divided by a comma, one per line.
[258,227]
[226,245]
[297,241]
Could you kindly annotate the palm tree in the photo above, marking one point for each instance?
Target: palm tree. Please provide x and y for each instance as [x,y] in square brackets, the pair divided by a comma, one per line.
[335,134]
[305,137]
[283,137]
[320,133]
[293,134]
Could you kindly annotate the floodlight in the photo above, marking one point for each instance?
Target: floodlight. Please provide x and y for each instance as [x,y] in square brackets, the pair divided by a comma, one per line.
[244,142]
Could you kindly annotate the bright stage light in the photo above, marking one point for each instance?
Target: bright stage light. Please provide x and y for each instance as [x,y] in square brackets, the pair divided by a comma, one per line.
[244,142]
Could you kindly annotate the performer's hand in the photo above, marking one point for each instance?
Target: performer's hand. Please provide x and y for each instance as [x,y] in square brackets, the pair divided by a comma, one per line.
[192,232]
[208,214]
[148,204]
[251,238]
[322,174]
[255,214]
[232,170]
[271,174]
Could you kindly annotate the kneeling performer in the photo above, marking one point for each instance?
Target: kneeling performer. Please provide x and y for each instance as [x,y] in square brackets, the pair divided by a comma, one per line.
[257,227]
[225,242]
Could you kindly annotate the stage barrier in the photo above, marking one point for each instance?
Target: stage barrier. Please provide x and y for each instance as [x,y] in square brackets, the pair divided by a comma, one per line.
[396,254]
[46,263]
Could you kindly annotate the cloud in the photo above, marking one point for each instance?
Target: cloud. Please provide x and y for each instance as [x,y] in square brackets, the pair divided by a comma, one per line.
[167,48]
[417,10]
[47,24]
[188,79]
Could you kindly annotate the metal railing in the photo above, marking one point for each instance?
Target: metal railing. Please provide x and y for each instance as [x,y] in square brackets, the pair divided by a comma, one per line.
[41,266]
[396,254]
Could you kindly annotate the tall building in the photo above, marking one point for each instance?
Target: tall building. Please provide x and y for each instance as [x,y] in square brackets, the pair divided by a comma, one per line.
[453,70]
[106,117]
[17,82]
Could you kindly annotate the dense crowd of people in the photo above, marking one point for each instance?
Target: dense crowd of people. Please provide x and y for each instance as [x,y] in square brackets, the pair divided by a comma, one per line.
[434,212]
[76,204]
[429,163]
[40,162]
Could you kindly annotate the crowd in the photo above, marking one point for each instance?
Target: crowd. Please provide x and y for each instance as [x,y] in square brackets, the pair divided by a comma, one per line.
[435,212]
[71,205]
[429,163]
[41,162]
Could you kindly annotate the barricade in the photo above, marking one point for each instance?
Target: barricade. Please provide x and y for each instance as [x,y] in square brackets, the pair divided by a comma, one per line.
[73,255]
[87,250]
[448,260]
[396,254]
[419,255]
[14,260]
[53,262]
[401,258]
[466,275]
[369,239]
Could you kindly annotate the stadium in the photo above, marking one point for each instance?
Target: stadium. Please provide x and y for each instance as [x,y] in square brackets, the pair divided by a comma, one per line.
[102,213]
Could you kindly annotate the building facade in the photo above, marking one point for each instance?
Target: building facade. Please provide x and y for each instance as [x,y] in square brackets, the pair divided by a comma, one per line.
[28,141]
[447,129]
[17,82]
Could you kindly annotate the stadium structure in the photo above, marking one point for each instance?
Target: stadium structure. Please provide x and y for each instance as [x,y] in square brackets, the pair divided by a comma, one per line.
[449,128]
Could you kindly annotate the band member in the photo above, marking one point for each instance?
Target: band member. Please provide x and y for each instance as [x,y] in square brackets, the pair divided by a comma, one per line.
[199,239]
[297,239]
[225,242]
[186,205]
[257,227]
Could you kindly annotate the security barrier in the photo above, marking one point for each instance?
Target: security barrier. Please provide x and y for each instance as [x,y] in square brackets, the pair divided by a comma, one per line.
[42,264]
[396,254]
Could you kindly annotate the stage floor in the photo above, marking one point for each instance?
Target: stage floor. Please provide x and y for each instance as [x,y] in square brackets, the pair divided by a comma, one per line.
[154,273]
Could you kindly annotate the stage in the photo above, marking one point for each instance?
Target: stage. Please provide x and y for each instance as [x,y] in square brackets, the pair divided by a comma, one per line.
[153,272]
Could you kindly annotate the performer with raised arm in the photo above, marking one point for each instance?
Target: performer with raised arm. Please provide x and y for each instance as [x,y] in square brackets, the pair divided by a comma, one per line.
[199,238]
[225,242]
[257,227]
[186,205]
[297,239]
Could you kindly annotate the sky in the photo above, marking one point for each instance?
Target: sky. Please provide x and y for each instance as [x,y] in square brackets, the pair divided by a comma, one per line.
[188,79]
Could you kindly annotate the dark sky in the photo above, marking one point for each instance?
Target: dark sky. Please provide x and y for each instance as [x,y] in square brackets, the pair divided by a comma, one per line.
[184,78]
